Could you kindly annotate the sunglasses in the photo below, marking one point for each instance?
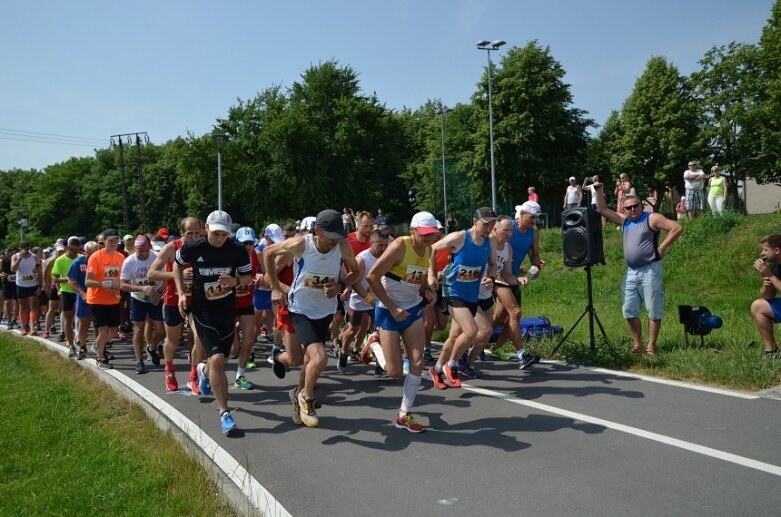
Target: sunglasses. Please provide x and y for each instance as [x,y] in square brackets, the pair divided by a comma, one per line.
[632,207]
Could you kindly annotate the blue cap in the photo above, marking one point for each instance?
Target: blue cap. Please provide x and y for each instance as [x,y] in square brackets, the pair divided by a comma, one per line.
[245,234]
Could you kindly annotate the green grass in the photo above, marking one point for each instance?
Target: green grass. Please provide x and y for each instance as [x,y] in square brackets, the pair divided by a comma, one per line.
[73,447]
[711,265]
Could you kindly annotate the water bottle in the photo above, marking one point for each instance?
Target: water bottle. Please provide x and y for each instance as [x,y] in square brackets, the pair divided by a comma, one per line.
[534,272]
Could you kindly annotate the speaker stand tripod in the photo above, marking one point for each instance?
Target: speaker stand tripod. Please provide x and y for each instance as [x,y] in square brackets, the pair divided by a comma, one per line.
[592,316]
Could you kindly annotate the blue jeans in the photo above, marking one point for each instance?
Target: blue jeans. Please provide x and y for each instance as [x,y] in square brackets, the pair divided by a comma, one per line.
[643,285]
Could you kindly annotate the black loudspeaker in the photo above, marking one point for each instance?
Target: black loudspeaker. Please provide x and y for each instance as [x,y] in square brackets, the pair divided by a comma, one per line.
[582,229]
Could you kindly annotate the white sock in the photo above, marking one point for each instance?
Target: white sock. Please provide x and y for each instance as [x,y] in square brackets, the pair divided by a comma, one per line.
[377,350]
[411,385]
[452,363]
[240,371]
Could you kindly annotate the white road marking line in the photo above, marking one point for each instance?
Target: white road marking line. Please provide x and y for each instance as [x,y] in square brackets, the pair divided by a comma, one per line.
[666,440]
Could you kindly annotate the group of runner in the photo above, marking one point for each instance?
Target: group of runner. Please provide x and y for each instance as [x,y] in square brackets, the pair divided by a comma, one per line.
[298,282]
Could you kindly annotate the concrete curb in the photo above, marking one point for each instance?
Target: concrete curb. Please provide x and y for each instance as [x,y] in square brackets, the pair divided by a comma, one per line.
[235,483]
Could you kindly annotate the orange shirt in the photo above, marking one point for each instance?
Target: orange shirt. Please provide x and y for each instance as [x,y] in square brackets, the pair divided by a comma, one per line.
[104,267]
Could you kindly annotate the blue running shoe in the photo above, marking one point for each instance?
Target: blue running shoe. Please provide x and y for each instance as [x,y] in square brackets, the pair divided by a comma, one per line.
[243,383]
[227,423]
[203,382]
[527,360]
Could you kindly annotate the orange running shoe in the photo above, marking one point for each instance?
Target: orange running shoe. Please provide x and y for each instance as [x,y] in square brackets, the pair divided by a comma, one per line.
[451,376]
[438,378]
[408,422]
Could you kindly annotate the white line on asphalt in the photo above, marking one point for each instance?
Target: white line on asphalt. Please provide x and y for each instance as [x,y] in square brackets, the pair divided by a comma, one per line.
[256,493]
[666,440]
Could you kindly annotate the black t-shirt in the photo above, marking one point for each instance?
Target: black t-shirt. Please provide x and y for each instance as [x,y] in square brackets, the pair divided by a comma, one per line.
[208,264]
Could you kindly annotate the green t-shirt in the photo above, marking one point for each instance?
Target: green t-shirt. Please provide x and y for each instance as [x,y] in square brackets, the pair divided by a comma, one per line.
[60,268]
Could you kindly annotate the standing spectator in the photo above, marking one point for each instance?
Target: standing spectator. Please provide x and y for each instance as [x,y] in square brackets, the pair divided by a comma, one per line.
[644,273]
[766,310]
[451,223]
[623,189]
[574,195]
[533,196]
[347,220]
[381,220]
[693,179]
[717,191]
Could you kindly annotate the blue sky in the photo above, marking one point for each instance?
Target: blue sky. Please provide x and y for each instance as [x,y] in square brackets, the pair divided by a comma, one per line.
[92,69]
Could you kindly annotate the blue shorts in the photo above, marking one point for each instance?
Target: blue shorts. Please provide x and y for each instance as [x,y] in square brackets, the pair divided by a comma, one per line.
[139,310]
[775,306]
[643,285]
[261,300]
[171,315]
[82,308]
[384,319]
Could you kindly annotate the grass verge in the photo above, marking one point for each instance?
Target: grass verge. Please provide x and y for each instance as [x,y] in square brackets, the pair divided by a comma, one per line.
[73,447]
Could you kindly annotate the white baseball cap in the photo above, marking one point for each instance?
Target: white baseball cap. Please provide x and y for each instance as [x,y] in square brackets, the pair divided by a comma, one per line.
[529,207]
[219,221]
[308,223]
[573,178]
[274,233]
[425,223]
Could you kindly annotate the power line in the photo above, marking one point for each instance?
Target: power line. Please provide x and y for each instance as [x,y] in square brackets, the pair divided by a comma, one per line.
[58,142]
[39,134]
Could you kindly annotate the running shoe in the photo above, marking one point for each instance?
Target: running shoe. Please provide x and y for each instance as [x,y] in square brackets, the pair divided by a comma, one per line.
[121,336]
[23,331]
[379,372]
[45,334]
[526,359]
[251,362]
[243,383]
[153,357]
[355,356]
[82,353]
[61,337]
[341,364]
[366,351]
[296,407]
[427,357]
[140,368]
[33,332]
[308,415]
[408,422]
[170,381]
[451,376]
[438,378]
[11,324]
[465,369]
[227,423]
[501,354]
[481,355]
[274,348]
[203,381]
[192,385]
[405,365]
[279,368]
[73,351]
[109,356]
[337,348]
[103,364]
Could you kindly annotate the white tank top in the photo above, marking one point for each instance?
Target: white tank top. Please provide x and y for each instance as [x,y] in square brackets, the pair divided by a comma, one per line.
[27,275]
[310,272]
[501,258]
[356,302]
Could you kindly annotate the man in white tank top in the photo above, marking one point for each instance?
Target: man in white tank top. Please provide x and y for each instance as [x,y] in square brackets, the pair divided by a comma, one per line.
[29,278]
[311,300]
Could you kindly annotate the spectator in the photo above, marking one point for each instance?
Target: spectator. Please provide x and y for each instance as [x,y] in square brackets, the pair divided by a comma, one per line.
[766,310]
[533,196]
[573,197]
[717,191]
[381,221]
[451,223]
[693,179]
[623,189]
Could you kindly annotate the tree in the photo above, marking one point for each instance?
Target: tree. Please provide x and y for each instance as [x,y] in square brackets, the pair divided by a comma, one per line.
[660,124]
[540,137]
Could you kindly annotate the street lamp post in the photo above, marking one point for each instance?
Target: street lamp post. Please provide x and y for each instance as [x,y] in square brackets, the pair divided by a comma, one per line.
[488,46]
[219,140]
[442,111]
[22,226]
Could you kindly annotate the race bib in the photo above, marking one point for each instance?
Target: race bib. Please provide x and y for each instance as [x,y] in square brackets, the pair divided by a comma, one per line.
[243,290]
[216,291]
[28,278]
[188,287]
[111,272]
[316,280]
[468,274]
[12,278]
[414,275]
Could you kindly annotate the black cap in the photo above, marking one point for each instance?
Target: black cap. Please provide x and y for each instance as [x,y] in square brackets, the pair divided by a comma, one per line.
[111,232]
[485,214]
[330,221]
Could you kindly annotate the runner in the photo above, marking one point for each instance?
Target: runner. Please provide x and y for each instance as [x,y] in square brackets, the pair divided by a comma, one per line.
[10,303]
[473,255]
[27,270]
[162,271]
[245,311]
[396,280]
[103,293]
[77,278]
[144,301]
[361,300]
[312,297]
[53,292]
[67,294]
[219,265]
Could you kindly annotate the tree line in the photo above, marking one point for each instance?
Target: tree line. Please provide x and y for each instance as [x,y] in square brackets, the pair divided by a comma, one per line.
[323,142]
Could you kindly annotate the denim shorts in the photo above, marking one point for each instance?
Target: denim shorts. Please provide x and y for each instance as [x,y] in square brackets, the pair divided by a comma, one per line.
[775,306]
[139,310]
[643,285]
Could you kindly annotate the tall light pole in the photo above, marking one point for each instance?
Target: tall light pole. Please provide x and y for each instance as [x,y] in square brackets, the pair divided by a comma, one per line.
[22,225]
[442,111]
[219,140]
[488,46]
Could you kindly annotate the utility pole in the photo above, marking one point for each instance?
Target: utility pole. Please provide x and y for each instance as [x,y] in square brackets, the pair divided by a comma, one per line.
[123,184]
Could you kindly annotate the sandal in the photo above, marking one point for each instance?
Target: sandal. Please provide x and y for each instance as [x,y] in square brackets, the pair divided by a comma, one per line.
[638,350]
[650,352]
